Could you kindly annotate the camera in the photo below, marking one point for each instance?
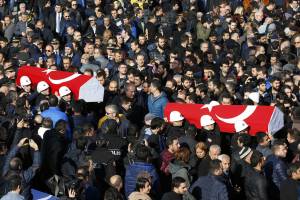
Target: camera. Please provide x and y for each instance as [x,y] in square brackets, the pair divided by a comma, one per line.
[74,185]
[26,142]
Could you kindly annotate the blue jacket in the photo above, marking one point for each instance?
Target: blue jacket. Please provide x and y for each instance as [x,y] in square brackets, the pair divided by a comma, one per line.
[156,105]
[209,188]
[132,172]
[276,171]
[12,196]
[55,115]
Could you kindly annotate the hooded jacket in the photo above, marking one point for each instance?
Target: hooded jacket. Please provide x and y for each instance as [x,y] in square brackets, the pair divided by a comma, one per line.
[179,169]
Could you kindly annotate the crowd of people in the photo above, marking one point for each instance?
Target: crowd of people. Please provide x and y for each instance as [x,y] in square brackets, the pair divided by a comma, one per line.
[146,53]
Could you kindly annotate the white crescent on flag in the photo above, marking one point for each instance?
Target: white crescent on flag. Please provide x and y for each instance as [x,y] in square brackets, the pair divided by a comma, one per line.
[60,81]
[241,117]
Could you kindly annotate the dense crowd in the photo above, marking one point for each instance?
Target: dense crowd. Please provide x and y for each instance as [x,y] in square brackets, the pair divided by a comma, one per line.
[146,53]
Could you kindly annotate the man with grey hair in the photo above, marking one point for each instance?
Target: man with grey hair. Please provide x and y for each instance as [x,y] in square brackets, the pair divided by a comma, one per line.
[225,159]
[226,176]
[112,112]
[213,153]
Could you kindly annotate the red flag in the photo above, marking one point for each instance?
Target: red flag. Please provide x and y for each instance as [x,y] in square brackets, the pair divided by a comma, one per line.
[259,118]
[82,86]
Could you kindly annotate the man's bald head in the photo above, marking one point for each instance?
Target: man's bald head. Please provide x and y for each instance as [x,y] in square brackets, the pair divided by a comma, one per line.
[113,86]
[116,182]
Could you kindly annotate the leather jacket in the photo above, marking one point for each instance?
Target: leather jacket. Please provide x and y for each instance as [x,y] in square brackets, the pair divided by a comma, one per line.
[255,185]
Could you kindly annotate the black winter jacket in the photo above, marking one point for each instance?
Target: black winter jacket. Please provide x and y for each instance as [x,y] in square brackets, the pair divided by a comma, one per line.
[255,186]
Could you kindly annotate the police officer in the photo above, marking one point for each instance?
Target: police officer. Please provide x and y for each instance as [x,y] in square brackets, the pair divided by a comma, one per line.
[43,90]
[26,89]
[210,133]
[176,129]
[241,128]
[66,100]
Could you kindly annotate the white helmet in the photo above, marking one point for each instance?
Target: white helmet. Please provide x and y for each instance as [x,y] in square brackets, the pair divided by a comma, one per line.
[25,80]
[254,96]
[41,86]
[176,116]
[206,120]
[240,125]
[64,90]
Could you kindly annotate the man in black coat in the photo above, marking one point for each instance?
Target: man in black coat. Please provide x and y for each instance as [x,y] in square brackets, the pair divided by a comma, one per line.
[289,188]
[276,168]
[255,181]
[54,148]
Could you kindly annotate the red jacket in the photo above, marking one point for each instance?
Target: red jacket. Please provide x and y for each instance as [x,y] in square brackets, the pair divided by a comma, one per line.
[166,157]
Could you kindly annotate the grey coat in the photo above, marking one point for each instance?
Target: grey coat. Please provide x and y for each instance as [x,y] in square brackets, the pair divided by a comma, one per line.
[178,169]
[9,31]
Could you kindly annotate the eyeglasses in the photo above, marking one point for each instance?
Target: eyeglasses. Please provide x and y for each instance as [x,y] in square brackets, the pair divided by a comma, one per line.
[74,4]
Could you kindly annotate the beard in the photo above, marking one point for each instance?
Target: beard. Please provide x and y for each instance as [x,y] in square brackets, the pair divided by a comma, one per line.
[162,47]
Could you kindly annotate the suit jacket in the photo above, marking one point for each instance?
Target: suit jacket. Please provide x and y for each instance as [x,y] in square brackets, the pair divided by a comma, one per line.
[4,12]
[90,31]
[52,22]
[207,5]
[46,34]
[35,52]
[113,28]
[20,27]
[9,31]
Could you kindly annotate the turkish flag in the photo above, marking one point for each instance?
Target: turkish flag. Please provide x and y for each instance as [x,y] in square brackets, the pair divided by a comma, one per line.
[82,86]
[259,118]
